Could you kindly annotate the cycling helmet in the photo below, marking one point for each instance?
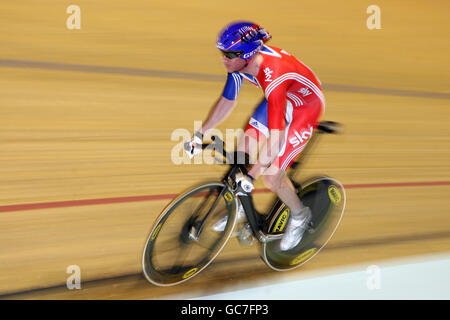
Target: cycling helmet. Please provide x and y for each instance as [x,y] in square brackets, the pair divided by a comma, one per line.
[242,38]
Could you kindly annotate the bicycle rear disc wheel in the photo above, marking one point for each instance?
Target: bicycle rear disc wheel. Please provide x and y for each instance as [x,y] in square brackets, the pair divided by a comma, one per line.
[175,251]
[326,197]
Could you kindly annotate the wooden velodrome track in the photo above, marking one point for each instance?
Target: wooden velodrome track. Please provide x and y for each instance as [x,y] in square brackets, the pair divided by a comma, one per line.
[88,115]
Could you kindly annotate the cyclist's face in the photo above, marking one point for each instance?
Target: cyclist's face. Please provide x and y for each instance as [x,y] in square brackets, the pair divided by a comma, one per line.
[234,64]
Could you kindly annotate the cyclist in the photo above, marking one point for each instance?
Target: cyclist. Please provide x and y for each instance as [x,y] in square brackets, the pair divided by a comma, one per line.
[282,124]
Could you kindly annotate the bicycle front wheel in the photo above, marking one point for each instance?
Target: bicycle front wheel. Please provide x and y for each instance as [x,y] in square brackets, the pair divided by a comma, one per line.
[183,240]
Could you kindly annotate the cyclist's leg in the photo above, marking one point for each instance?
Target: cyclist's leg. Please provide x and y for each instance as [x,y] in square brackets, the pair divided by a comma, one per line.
[255,133]
[304,119]
[249,144]
[300,129]
[278,182]
[300,123]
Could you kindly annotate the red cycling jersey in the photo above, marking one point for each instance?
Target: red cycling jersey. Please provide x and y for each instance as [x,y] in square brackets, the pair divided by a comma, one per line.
[293,102]
[282,76]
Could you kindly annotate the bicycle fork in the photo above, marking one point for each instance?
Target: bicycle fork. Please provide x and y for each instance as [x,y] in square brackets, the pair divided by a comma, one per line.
[196,228]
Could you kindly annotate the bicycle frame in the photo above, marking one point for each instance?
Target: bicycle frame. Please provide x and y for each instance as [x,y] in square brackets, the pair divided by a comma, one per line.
[263,227]
[255,219]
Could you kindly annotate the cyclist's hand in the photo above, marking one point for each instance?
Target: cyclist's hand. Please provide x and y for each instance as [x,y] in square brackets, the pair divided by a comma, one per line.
[245,182]
[193,146]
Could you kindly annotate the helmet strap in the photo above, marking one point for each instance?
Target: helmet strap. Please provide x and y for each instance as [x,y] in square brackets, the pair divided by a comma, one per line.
[246,64]
[248,61]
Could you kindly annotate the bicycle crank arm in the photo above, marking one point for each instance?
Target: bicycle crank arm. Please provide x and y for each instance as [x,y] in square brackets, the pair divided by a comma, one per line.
[264,237]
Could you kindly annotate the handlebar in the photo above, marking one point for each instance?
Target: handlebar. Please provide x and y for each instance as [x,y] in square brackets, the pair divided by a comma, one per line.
[218,144]
[237,158]
[216,140]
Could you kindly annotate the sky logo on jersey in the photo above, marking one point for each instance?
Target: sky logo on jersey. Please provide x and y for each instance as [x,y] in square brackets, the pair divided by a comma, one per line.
[300,138]
[305,92]
[268,74]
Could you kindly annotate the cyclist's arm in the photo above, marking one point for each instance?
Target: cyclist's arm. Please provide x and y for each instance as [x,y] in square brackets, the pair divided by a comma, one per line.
[226,102]
[219,113]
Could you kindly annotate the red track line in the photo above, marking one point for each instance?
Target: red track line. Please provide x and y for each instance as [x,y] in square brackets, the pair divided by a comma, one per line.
[88,202]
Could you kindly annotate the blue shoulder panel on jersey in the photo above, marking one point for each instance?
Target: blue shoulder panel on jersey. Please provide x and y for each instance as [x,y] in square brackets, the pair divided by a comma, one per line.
[233,86]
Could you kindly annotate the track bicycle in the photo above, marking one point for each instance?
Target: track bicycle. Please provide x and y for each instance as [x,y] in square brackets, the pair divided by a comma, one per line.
[184,241]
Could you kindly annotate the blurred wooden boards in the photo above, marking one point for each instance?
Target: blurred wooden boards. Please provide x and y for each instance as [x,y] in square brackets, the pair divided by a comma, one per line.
[69,135]
[372,230]
[110,157]
[73,129]
[409,52]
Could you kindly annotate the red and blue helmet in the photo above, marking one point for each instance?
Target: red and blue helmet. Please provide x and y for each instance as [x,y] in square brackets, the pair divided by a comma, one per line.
[242,37]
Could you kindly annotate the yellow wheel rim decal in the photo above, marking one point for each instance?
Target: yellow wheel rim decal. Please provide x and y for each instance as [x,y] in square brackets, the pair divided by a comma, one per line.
[303,256]
[190,273]
[334,194]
